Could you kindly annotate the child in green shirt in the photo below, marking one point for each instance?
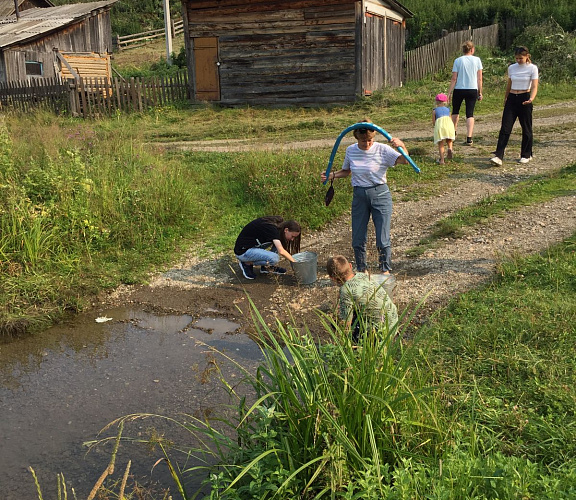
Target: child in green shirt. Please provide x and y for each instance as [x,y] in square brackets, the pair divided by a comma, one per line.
[359,295]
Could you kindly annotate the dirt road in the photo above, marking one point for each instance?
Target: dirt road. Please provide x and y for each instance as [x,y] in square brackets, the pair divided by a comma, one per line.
[217,288]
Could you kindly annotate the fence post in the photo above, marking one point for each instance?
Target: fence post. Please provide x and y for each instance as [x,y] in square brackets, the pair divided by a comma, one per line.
[72,98]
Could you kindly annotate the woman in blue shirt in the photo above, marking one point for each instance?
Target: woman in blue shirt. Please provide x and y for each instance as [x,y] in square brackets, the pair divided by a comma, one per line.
[466,85]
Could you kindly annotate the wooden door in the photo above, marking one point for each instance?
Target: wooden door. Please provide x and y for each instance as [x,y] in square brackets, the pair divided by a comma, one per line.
[206,67]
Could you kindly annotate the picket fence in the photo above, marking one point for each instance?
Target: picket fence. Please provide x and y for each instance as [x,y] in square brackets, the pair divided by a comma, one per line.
[431,58]
[94,97]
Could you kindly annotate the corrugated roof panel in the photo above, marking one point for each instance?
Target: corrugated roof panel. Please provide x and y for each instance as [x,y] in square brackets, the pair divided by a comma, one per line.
[35,22]
[7,6]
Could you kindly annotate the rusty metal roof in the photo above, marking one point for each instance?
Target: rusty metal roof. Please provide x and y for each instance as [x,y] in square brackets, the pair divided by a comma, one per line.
[34,23]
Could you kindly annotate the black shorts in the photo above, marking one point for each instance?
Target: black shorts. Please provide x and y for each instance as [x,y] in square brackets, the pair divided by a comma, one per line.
[468,95]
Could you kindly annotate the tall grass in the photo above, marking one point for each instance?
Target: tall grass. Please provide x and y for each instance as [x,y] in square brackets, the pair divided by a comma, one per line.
[481,404]
[322,421]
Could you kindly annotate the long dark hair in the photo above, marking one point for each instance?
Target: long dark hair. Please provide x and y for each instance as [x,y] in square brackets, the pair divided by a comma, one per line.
[293,246]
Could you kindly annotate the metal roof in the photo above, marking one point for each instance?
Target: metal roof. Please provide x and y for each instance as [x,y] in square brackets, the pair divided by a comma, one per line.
[34,23]
[7,6]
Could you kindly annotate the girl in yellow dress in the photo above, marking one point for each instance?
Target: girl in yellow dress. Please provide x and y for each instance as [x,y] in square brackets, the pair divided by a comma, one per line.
[444,133]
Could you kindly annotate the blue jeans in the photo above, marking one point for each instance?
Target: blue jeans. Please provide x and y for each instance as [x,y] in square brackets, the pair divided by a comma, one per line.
[375,201]
[259,257]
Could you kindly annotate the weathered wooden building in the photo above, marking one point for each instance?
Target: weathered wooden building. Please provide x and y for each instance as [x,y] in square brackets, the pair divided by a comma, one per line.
[8,7]
[293,52]
[68,40]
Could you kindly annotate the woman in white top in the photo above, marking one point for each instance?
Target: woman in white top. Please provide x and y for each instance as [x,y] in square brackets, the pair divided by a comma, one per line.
[367,162]
[520,93]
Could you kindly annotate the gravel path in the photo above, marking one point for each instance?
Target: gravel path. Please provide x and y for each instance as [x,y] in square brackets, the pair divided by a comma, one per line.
[194,286]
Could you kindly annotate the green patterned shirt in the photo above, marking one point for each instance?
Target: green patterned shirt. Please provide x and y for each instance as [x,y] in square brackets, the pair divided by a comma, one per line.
[367,297]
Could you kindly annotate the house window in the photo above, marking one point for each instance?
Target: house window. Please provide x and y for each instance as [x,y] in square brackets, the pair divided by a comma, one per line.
[34,68]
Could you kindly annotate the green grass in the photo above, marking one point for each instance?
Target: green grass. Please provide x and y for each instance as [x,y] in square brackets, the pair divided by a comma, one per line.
[479,404]
[504,358]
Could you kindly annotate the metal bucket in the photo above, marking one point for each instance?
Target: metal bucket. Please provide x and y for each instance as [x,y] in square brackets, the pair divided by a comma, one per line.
[387,281]
[306,267]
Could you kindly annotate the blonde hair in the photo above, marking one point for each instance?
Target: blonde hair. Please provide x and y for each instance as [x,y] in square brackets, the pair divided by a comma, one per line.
[467,47]
[338,268]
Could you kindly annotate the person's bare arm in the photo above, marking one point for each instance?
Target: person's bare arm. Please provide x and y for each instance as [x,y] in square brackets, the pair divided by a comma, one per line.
[452,84]
[282,251]
[533,92]
[397,143]
[335,175]
[480,83]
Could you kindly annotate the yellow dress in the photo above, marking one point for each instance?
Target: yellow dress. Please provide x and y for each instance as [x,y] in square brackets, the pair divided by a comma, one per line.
[443,126]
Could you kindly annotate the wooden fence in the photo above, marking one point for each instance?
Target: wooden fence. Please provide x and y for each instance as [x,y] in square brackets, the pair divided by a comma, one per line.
[433,57]
[139,39]
[94,97]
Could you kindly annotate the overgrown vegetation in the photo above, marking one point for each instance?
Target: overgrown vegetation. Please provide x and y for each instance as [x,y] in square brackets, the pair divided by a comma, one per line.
[480,404]
[315,425]
[433,16]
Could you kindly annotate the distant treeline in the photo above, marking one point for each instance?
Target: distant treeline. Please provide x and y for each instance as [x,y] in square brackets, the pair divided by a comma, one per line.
[433,16]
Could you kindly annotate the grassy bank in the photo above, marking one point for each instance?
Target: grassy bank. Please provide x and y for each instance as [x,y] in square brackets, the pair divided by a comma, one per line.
[480,404]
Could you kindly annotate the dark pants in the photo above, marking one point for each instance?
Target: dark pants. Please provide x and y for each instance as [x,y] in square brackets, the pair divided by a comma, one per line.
[468,95]
[514,108]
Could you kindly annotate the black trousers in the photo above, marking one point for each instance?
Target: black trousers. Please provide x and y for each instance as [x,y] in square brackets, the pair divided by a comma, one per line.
[514,108]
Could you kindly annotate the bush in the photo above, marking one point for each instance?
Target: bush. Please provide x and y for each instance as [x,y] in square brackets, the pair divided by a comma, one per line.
[552,49]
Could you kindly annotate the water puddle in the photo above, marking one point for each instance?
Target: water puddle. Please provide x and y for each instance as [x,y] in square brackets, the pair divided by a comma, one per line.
[60,388]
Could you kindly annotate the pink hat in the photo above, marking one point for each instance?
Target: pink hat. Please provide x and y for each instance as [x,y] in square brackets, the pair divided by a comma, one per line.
[442,98]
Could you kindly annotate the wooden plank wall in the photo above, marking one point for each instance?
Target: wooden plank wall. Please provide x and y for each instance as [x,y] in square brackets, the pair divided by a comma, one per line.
[280,52]
[93,35]
[383,54]
[88,64]
[396,46]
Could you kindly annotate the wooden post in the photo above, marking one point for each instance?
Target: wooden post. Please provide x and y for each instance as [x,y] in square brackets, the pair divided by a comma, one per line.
[72,98]
[167,29]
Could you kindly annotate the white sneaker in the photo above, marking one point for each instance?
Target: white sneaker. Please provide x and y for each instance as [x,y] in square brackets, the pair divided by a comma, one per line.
[524,160]
[496,161]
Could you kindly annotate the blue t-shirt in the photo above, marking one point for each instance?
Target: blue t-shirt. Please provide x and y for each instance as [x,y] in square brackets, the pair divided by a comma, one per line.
[441,111]
[467,68]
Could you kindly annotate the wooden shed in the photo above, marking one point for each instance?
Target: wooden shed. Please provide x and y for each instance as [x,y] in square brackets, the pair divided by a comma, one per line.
[293,52]
[44,42]
[8,7]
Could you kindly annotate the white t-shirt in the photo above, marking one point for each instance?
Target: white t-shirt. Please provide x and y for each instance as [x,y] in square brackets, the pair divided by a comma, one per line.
[369,167]
[522,75]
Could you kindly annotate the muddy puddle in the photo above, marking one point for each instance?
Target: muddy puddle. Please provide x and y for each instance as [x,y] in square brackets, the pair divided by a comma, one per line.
[60,388]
